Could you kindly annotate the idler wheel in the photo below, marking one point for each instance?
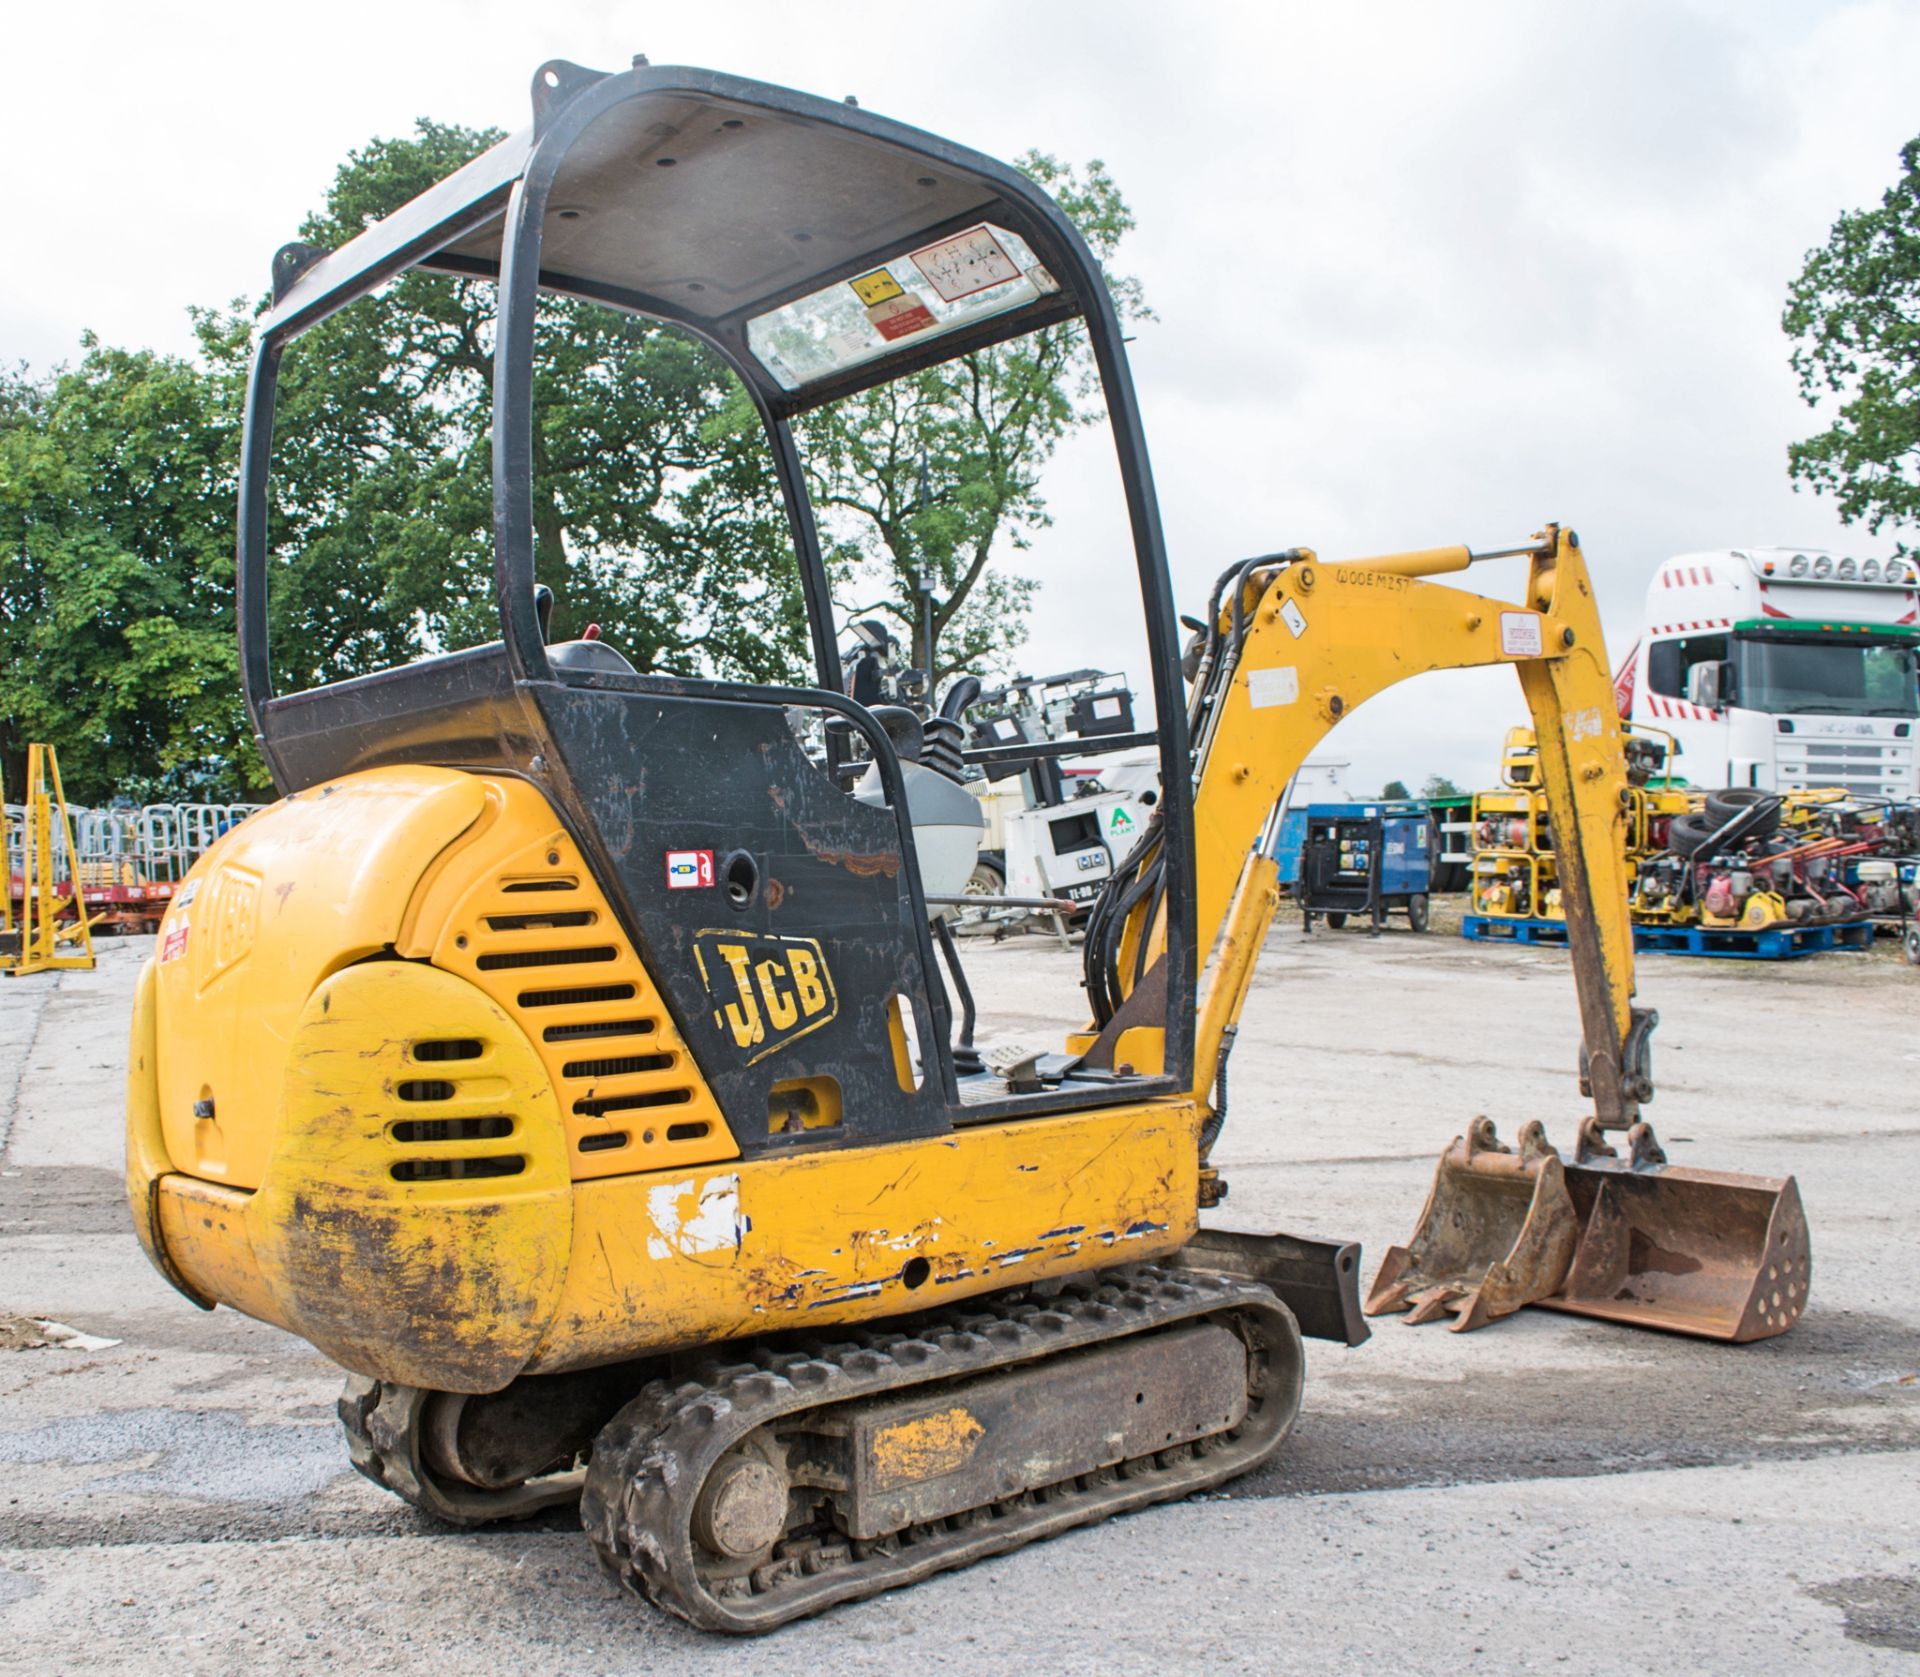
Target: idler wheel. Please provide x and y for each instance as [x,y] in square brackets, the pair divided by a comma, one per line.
[742,1508]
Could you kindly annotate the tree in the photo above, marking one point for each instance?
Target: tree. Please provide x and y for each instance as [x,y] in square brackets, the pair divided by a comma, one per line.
[1395,789]
[1438,786]
[116,622]
[928,481]
[1854,318]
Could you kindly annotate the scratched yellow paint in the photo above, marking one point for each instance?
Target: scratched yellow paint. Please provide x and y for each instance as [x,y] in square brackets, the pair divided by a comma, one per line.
[832,1237]
[446,1282]
[925,1448]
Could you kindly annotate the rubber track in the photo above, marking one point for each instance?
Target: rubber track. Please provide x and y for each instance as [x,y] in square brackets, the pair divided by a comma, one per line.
[383,1424]
[650,1461]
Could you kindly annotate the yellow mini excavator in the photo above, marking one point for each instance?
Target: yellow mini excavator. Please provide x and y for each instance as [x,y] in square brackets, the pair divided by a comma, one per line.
[568,1055]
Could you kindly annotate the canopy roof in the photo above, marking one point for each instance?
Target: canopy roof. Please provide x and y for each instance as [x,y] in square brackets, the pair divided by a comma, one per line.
[716,201]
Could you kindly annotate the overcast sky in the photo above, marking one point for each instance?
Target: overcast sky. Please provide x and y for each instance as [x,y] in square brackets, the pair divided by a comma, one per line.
[1424,273]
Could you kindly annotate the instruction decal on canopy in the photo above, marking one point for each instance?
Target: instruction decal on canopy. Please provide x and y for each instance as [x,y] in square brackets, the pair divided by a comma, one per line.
[877,287]
[965,264]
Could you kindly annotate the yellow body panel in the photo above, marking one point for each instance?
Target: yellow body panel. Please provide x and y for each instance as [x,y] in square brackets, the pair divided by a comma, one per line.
[462,1284]
[340,1045]
[432,865]
[296,892]
[815,1239]
[421,1237]
[207,1235]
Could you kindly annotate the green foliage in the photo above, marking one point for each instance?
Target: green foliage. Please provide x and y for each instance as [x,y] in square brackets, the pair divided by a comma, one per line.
[1854,317]
[1438,786]
[1395,789]
[116,622]
[936,476]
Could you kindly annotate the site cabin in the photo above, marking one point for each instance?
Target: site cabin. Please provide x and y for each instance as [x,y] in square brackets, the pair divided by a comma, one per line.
[1782,667]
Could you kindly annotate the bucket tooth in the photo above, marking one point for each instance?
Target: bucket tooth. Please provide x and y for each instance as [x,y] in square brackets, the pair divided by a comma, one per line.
[1703,1252]
[1497,1232]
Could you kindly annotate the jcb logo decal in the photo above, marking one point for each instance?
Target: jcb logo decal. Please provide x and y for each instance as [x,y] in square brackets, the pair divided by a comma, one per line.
[767,991]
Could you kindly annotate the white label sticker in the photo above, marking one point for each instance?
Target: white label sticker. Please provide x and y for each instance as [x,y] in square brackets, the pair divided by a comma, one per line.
[1290,615]
[689,870]
[1273,687]
[1584,724]
[1106,706]
[1520,634]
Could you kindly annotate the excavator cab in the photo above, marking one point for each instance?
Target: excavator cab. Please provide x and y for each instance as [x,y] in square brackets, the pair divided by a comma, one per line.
[570,1052]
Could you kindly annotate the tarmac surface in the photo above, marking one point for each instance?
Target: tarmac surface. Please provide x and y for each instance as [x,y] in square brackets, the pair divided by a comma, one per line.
[1547,1494]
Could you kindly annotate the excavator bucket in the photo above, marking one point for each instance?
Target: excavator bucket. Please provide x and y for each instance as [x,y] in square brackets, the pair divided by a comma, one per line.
[1498,1232]
[1703,1252]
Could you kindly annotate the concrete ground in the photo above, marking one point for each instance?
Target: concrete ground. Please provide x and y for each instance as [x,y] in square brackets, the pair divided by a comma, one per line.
[1547,1494]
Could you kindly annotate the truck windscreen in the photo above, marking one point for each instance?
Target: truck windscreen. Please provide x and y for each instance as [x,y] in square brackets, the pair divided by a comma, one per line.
[1841,678]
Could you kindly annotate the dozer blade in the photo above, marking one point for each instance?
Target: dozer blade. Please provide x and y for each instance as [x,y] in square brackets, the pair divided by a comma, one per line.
[1703,1252]
[1497,1232]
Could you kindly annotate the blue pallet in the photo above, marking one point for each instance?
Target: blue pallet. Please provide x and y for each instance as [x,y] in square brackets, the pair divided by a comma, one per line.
[1489,928]
[1770,943]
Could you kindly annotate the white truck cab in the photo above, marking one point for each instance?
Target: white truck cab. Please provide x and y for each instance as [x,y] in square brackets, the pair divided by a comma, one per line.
[1782,667]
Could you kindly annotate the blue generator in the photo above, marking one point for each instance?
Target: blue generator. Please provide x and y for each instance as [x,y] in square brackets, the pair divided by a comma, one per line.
[1372,859]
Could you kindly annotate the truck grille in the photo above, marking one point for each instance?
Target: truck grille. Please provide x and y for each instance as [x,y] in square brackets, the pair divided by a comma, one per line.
[1866,768]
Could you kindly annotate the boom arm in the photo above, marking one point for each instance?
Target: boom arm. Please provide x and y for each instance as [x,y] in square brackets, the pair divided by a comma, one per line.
[1299,646]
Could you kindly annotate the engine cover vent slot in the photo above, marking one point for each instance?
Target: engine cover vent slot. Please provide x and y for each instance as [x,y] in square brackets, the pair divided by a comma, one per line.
[451,1129]
[457,1170]
[538,921]
[618,1067]
[502,959]
[598,1027]
[582,996]
[595,1107]
[424,1089]
[450,1048]
[605,1143]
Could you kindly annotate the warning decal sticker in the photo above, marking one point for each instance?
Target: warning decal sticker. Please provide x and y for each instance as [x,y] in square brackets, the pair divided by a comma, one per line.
[968,262]
[1520,634]
[877,287]
[689,870]
[900,317]
[174,945]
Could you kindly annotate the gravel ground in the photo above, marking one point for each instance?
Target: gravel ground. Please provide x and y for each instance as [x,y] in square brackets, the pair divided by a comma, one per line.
[1549,1493]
